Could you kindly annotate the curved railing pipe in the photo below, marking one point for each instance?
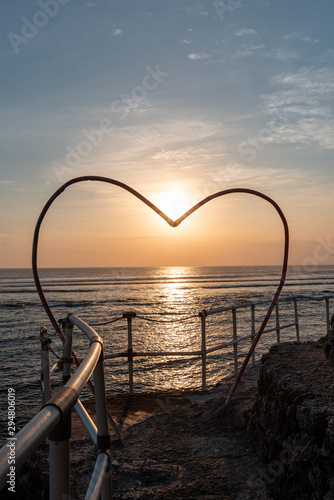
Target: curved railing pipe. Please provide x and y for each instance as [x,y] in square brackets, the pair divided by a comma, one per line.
[34,432]
[28,439]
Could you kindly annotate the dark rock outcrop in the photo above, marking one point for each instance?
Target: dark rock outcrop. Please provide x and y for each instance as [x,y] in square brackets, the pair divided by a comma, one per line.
[292,422]
[329,347]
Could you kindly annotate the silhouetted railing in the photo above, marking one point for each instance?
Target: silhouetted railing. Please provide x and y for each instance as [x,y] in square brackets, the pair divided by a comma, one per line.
[54,420]
[232,343]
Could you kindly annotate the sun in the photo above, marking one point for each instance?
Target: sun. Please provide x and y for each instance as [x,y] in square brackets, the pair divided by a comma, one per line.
[174,203]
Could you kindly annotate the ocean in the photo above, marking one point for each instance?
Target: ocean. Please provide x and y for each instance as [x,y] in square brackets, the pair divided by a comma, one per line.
[161,296]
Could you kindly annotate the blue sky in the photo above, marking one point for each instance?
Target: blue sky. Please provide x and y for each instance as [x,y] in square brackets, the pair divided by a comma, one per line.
[198,96]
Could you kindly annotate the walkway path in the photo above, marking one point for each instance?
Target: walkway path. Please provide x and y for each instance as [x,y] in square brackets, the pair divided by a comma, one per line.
[179,446]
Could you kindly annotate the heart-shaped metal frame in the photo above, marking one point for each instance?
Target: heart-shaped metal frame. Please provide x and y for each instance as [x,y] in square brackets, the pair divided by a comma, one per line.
[172,223]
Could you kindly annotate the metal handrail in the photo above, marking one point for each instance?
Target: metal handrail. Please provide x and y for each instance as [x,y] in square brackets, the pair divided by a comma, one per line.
[87,421]
[55,410]
[100,469]
[204,351]
[235,341]
[28,439]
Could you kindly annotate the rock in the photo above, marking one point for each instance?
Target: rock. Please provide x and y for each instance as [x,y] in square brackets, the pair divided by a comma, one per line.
[292,422]
[329,348]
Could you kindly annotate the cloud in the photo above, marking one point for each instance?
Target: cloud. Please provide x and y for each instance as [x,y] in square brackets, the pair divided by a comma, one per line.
[117,32]
[248,50]
[167,144]
[295,35]
[172,141]
[290,36]
[186,155]
[246,31]
[297,185]
[284,54]
[6,182]
[199,55]
[305,100]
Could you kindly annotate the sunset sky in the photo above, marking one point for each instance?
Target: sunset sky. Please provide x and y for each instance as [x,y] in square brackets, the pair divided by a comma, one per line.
[190,97]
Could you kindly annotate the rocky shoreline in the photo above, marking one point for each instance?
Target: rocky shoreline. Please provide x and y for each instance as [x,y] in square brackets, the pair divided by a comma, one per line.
[273,440]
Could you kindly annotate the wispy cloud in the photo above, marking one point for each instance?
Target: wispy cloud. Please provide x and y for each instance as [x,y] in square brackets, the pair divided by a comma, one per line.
[173,142]
[306,100]
[298,36]
[199,55]
[284,54]
[248,50]
[6,182]
[298,185]
[245,31]
[290,36]
[139,151]
[117,32]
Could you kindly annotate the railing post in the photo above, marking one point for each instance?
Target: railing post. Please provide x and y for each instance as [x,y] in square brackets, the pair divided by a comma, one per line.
[296,318]
[103,438]
[253,330]
[203,316]
[45,365]
[129,316]
[235,339]
[278,333]
[59,439]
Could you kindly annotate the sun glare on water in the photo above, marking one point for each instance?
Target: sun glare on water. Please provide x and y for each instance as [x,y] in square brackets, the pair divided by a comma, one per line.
[174,203]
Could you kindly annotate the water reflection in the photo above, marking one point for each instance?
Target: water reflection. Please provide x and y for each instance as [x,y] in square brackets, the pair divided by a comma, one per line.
[175,272]
[171,334]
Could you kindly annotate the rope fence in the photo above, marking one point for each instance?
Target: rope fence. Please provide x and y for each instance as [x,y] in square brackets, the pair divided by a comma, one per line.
[231,328]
